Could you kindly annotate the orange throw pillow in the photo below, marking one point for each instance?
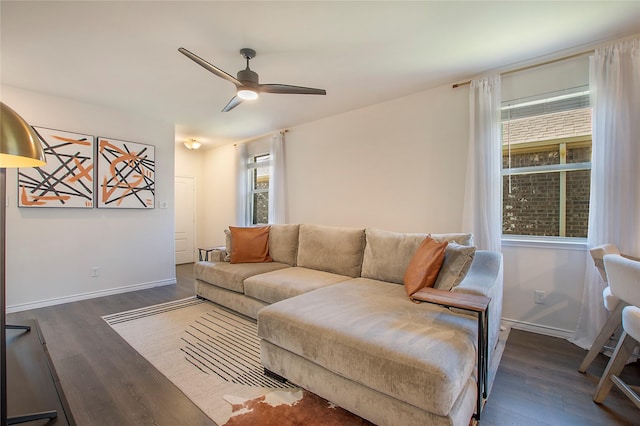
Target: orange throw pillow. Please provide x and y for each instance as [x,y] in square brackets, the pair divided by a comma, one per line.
[424,265]
[250,245]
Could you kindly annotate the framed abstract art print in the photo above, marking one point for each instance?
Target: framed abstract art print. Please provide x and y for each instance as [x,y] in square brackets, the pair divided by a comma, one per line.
[125,175]
[67,178]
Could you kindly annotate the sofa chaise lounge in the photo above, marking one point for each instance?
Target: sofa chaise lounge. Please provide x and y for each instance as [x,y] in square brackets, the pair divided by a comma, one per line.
[334,318]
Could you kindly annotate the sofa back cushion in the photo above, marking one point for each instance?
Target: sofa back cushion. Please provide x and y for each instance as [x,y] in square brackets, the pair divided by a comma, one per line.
[331,249]
[283,243]
[387,254]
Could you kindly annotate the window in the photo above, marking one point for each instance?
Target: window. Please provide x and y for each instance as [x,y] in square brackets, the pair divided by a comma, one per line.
[546,167]
[259,168]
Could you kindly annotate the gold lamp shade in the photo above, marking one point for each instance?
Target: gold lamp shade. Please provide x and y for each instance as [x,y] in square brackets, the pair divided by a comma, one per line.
[19,144]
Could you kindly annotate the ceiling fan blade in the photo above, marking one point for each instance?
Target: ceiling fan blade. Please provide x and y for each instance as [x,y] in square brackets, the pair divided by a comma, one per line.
[212,68]
[287,89]
[234,102]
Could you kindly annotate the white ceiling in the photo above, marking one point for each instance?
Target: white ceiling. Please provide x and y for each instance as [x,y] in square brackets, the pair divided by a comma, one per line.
[125,54]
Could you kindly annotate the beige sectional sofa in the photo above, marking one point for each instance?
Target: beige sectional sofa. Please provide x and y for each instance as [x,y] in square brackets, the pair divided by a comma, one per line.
[334,318]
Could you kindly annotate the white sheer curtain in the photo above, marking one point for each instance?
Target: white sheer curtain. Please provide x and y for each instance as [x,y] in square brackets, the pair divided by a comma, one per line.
[482,207]
[614,210]
[241,185]
[277,192]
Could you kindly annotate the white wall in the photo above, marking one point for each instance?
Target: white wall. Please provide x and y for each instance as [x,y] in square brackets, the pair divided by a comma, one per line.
[220,198]
[557,270]
[50,251]
[398,165]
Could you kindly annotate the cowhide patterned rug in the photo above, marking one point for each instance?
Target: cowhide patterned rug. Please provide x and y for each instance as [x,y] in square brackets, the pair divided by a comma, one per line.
[290,407]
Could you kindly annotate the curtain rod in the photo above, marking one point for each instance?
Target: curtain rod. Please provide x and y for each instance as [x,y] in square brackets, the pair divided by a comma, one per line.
[255,138]
[528,67]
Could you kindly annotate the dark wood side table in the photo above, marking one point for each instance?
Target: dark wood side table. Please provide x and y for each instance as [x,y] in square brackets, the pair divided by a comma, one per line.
[203,253]
[473,303]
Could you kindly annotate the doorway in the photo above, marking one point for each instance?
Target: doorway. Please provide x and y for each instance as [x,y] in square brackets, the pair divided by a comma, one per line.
[185,219]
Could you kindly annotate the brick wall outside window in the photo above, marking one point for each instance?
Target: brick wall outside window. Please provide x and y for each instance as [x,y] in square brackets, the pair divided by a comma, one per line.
[532,202]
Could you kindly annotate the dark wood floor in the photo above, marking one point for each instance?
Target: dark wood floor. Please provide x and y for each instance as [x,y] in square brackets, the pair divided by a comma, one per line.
[107,383]
[538,383]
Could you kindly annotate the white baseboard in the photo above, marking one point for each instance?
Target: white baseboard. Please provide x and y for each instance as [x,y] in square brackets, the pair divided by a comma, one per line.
[91,295]
[537,328]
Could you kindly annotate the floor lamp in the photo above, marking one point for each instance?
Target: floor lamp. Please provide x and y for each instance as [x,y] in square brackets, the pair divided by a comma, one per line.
[19,147]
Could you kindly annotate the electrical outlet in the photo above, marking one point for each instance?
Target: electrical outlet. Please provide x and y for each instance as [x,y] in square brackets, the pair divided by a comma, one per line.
[539,297]
[95,271]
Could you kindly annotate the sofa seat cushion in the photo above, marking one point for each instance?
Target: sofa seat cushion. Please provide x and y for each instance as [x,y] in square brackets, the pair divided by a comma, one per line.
[369,332]
[232,275]
[278,285]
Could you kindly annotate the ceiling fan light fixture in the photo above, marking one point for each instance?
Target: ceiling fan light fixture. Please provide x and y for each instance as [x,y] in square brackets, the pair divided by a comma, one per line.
[247,83]
[192,144]
[247,94]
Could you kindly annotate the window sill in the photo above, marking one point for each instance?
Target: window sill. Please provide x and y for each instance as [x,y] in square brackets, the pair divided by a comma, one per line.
[544,242]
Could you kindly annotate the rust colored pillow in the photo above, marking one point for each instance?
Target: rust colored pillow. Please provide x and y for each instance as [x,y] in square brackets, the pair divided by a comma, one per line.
[424,265]
[250,245]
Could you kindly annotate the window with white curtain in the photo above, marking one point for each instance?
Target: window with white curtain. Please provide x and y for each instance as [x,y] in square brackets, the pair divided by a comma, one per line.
[259,172]
[546,167]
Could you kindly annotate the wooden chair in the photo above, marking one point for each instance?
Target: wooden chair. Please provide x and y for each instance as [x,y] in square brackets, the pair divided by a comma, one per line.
[624,280]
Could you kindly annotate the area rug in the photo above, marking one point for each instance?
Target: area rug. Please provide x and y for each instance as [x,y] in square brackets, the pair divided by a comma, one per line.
[213,356]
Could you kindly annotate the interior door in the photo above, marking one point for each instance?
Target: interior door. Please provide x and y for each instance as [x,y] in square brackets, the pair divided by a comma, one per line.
[185,220]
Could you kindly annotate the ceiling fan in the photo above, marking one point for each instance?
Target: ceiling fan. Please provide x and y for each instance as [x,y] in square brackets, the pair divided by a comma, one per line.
[247,82]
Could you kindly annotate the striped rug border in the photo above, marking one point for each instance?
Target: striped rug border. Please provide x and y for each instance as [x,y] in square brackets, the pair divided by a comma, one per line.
[135,314]
[220,343]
